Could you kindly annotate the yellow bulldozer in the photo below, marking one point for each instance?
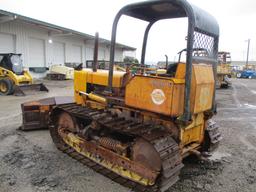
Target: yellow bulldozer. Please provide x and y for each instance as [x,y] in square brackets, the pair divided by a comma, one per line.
[13,78]
[137,128]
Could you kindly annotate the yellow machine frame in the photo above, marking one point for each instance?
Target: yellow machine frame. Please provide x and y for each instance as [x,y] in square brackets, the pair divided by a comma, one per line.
[169,96]
[26,78]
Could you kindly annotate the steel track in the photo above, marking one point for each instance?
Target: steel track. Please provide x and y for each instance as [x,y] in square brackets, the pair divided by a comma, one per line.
[165,145]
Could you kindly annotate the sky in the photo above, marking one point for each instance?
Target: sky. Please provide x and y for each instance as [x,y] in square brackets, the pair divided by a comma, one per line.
[235,17]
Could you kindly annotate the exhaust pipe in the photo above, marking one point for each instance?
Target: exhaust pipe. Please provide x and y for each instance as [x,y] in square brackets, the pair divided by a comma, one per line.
[95,54]
[166,62]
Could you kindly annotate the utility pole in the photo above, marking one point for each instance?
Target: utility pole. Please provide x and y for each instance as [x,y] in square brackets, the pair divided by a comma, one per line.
[248,49]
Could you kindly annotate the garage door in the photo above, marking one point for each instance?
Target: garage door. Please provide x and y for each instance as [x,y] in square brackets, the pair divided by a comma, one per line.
[89,53]
[7,43]
[76,53]
[36,53]
[58,53]
[101,54]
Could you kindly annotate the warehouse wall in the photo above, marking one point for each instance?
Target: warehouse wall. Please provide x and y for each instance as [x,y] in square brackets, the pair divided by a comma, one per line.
[32,42]
[103,53]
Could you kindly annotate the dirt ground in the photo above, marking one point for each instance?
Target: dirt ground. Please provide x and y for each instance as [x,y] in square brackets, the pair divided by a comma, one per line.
[29,161]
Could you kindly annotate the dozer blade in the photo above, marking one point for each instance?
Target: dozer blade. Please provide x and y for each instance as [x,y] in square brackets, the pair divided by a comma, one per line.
[19,90]
[35,114]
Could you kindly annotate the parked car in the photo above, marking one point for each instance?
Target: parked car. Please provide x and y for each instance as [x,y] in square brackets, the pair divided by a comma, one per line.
[246,74]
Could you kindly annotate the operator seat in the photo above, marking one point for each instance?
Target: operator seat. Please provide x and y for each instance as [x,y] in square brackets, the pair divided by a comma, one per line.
[171,69]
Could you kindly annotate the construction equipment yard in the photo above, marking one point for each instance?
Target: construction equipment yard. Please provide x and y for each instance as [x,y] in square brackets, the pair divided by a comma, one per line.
[29,161]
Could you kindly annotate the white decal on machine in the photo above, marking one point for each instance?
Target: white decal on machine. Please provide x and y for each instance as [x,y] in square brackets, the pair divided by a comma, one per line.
[158,96]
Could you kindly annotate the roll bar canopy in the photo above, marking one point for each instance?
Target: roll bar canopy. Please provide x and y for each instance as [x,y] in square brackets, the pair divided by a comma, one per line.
[165,9]
[203,32]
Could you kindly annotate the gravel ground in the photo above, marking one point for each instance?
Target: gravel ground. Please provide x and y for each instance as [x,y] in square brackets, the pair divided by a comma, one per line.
[30,162]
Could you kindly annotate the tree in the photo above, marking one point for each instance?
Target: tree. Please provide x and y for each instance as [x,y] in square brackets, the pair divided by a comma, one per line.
[130,60]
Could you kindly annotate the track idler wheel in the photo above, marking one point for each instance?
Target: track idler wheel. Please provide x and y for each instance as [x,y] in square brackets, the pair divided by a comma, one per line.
[61,120]
[145,153]
[67,122]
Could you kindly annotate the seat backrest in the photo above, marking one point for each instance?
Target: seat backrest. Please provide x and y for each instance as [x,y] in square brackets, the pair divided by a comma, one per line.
[171,69]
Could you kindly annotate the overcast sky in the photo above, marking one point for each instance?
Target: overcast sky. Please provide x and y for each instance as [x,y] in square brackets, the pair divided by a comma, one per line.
[237,20]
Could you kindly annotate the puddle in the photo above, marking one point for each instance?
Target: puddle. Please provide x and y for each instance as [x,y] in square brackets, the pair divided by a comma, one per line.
[218,156]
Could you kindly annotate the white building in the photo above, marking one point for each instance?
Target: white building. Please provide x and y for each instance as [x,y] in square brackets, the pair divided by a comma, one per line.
[43,44]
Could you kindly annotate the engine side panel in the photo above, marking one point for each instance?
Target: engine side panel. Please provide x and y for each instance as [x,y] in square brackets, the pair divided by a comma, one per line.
[156,94]
[100,77]
[165,95]
[202,88]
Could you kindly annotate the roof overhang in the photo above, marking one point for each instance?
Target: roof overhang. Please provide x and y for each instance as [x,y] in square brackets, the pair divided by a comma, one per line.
[55,30]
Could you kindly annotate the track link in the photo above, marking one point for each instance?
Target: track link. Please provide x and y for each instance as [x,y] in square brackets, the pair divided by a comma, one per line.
[214,133]
[163,142]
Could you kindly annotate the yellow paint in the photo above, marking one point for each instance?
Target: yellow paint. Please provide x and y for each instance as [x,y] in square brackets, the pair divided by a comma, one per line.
[194,132]
[101,77]
[186,151]
[202,85]
[180,71]
[93,97]
[178,81]
[26,78]
[143,91]
[156,94]
[224,69]
[75,142]
[81,78]
[160,95]
[202,88]
[97,98]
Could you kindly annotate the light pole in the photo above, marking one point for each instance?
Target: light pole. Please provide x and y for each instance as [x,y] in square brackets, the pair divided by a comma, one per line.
[248,49]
